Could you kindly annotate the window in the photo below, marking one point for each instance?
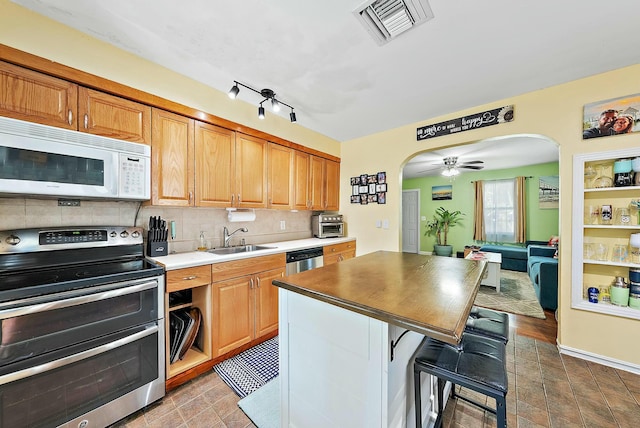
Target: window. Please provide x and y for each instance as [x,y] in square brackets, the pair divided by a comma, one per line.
[499,212]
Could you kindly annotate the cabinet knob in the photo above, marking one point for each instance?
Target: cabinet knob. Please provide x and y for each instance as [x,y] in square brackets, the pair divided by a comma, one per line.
[190,277]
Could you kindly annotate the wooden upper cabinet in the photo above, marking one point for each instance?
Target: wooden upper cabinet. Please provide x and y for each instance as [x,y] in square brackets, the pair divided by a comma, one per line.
[251,172]
[36,97]
[115,117]
[215,165]
[332,182]
[280,179]
[316,182]
[172,159]
[301,199]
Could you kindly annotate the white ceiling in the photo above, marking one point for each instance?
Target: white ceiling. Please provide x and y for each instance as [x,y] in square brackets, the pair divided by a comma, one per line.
[318,58]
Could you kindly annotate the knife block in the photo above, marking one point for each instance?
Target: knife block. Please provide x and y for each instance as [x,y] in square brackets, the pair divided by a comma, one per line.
[159,248]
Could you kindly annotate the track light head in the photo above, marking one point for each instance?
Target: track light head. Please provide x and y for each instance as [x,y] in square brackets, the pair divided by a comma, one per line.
[233,92]
[275,105]
[292,116]
[261,112]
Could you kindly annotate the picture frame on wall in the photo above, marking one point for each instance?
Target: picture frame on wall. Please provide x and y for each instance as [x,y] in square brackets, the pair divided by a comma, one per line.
[615,116]
[442,193]
[369,188]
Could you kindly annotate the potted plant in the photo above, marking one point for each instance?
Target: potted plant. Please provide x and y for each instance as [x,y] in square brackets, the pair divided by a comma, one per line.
[443,220]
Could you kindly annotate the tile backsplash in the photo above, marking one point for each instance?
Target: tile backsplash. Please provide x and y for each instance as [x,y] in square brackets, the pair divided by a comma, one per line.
[18,213]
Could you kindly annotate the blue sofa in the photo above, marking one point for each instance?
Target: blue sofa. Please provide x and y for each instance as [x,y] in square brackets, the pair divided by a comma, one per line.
[542,268]
[513,257]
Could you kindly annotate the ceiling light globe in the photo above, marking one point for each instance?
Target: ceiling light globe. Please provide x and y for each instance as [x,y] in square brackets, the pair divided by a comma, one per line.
[260,112]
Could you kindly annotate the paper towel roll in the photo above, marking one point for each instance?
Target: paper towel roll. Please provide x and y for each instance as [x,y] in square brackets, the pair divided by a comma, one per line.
[242,215]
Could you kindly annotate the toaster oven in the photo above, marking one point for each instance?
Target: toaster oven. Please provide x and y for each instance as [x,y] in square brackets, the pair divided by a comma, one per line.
[327,225]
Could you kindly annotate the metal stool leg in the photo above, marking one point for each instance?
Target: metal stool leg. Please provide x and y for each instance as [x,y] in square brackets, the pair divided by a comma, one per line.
[417,398]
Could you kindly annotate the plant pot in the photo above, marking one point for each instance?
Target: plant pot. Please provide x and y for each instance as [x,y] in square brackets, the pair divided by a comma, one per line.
[443,250]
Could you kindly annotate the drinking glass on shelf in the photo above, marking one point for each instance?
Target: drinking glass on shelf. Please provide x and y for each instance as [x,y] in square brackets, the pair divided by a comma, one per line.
[589,175]
[601,252]
[591,214]
[619,254]
[602,181]
[635,208]
[588,251]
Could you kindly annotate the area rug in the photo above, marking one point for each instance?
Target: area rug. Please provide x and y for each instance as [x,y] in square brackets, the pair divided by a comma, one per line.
[516,296]
[251,369]
[263,406]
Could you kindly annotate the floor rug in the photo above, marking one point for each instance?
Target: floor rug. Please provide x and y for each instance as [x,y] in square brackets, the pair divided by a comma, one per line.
[251,369]
[516,296]
[263,406]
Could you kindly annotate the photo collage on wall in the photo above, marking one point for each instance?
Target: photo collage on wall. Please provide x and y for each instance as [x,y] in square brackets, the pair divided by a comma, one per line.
[369,189]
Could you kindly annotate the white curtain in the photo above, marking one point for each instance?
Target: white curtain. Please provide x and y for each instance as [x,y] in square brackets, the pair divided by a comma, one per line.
[500,211]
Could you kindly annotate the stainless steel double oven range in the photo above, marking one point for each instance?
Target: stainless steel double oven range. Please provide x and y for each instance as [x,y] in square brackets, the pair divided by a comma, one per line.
[81,326]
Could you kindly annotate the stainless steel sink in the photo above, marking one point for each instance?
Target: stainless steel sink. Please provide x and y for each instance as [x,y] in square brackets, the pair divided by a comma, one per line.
[239,249]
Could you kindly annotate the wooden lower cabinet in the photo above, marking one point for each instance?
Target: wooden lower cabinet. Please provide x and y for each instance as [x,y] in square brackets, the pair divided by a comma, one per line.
[197,281]
[245,302]
[338,252]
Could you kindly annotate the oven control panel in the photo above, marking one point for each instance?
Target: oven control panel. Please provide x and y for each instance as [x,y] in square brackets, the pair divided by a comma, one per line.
[29,240]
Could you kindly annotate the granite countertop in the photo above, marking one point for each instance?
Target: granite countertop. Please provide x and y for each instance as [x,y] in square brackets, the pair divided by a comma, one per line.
[199,258]
[431,295]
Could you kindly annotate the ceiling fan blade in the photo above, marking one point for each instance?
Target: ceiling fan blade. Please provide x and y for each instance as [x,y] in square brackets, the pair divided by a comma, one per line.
[471,162]
[470,166]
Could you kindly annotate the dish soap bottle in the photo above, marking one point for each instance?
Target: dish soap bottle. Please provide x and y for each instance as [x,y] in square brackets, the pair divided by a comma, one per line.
[203,243]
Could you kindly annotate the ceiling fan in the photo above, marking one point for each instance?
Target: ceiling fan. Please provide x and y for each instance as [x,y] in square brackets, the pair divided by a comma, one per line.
[451,167]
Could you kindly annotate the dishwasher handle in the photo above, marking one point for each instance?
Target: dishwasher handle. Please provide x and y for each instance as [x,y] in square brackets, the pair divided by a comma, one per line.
[309,253]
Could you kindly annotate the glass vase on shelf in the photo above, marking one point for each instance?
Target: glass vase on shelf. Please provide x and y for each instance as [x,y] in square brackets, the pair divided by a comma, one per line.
[589,175]
[635,208]
[602,180]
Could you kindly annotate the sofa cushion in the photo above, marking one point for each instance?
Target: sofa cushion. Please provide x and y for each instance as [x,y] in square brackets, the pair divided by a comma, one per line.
[511,252]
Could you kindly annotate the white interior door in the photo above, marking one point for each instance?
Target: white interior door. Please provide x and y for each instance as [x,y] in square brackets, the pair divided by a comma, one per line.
[411,221]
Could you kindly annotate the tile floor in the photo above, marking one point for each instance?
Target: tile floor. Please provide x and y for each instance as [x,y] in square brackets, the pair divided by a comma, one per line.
[545,390]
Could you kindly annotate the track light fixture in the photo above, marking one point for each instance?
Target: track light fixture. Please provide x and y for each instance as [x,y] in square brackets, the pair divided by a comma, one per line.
[268,95]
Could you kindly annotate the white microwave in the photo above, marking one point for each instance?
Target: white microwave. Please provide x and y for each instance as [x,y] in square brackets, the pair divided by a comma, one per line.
[40,160]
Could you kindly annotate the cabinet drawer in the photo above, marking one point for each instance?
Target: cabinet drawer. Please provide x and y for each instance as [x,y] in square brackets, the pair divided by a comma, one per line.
[329,259]
[339,248]
[181,279]
[236,268]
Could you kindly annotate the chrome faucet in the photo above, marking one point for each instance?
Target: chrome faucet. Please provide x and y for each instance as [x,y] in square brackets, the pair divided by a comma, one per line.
[227,236]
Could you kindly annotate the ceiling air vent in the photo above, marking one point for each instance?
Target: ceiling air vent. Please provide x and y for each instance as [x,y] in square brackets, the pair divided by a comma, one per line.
[387,19]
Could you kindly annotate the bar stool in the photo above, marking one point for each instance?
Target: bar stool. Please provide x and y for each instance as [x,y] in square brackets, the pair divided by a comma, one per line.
[490,323]
[477,363]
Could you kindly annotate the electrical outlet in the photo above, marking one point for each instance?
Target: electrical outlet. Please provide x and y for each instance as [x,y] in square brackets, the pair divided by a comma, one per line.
[385,223]
[282,225]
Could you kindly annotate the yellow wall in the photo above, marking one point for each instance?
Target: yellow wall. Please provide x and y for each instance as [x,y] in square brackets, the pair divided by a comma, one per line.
[33,33]
[554,112]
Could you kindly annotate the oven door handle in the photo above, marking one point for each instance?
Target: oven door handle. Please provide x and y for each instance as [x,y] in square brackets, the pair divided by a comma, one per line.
[31,371]
[75,301]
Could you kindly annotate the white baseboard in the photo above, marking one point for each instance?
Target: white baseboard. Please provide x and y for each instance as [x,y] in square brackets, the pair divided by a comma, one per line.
[605,361]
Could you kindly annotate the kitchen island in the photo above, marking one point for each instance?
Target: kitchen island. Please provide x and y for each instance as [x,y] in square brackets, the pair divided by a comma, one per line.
[348,332]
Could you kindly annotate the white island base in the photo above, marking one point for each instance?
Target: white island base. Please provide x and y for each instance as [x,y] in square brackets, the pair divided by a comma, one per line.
[336,368]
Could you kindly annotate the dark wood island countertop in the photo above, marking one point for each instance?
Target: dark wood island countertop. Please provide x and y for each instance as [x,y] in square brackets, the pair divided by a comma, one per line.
[431,295]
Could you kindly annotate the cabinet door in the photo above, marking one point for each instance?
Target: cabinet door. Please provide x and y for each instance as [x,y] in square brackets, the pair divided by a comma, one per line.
[32,96]
[172,175]
[214,171]
[332,183]
[251,172]
[316,182]
[267,301]
[280,179]
[115,117]
[301,200]
[233,313]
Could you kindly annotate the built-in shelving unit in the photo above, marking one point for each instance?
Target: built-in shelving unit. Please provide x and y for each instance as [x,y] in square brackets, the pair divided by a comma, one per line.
[600,271]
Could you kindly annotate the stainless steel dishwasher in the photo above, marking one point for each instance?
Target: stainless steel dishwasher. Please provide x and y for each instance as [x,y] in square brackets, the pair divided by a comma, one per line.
[301,260]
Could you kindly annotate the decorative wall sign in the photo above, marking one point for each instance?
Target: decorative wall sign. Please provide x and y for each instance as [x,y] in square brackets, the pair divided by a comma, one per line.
[368,189]
[611,117]
[467,123]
